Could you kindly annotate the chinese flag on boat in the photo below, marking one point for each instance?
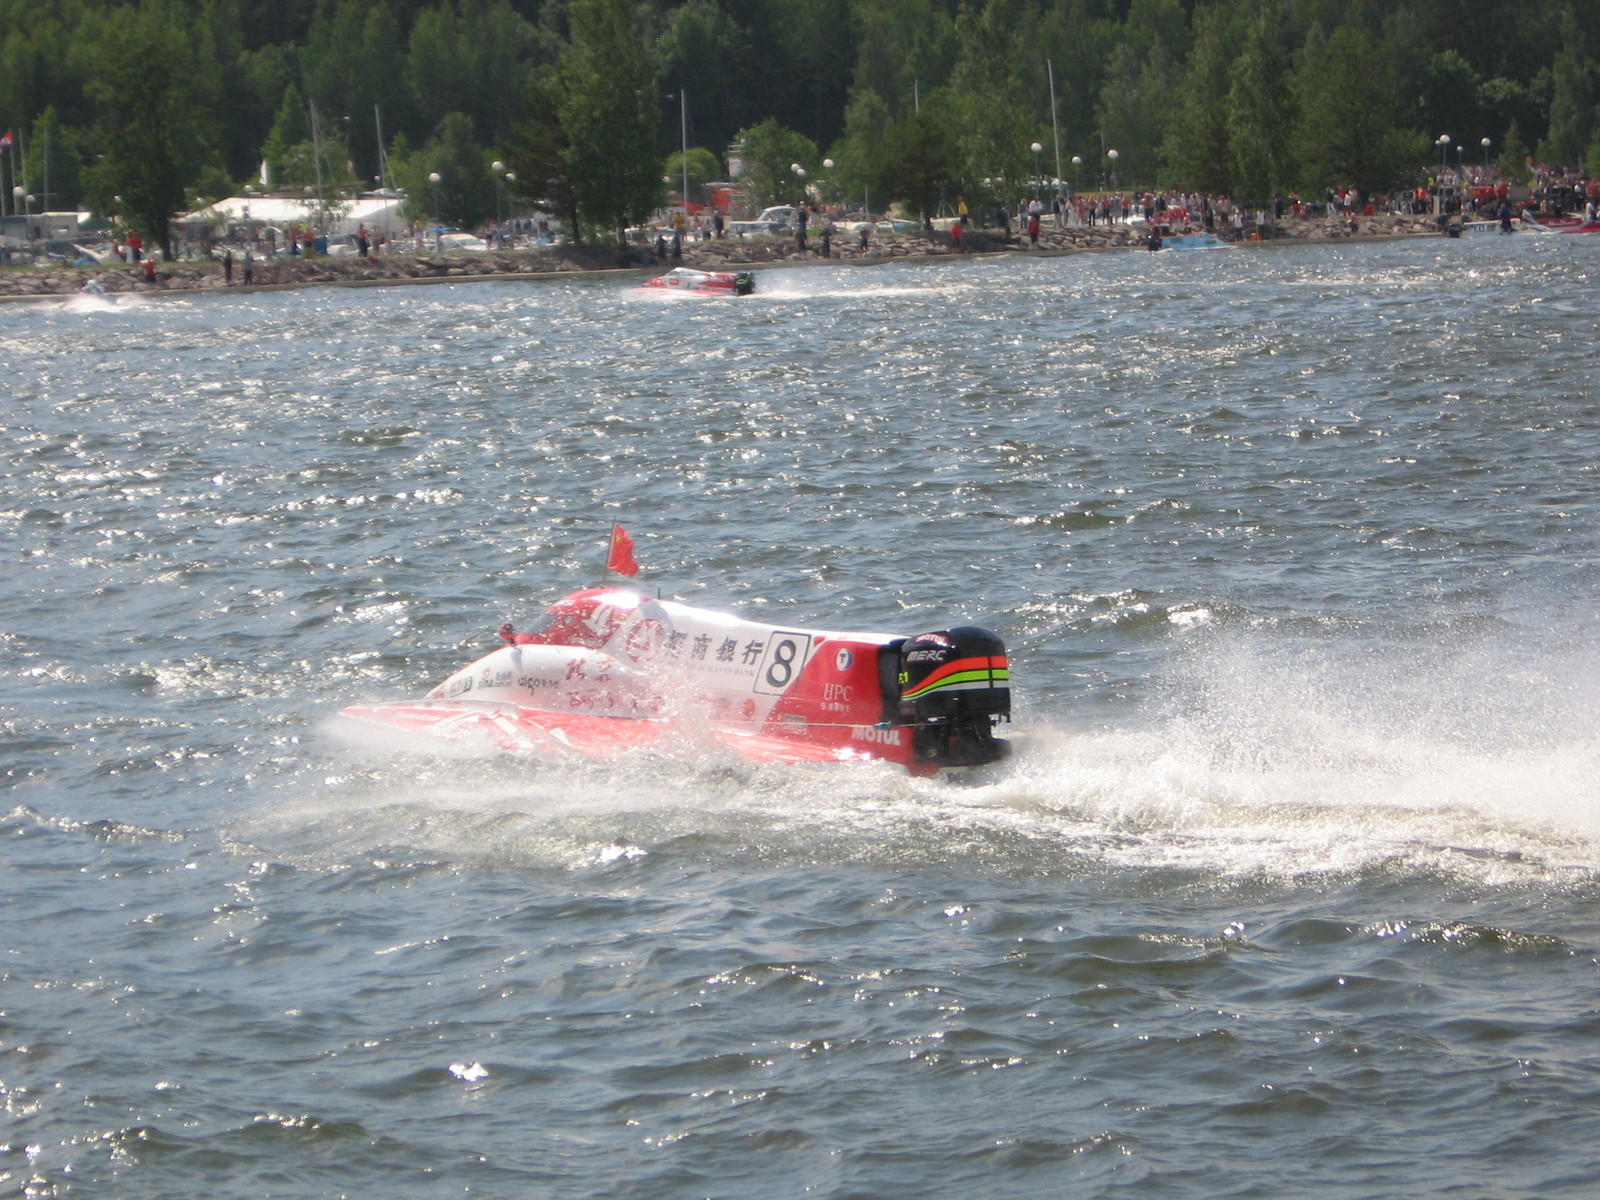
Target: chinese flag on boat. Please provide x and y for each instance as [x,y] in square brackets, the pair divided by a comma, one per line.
[620,559]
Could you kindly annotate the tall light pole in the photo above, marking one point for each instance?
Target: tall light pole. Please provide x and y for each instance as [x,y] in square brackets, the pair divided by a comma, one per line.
[1485,145]
[1055,126]
[1036,147]
[1113,156]
[1444,149]
[1077,164]
[683,146]
[498,168]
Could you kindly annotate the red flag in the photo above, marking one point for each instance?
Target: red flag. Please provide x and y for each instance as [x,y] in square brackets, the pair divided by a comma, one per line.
[620,559]
[5,140]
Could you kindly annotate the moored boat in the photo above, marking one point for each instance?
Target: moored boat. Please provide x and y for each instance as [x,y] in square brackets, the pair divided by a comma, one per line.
[1198,240]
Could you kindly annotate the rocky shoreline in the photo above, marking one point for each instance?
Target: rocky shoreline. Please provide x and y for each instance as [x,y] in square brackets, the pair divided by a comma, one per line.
[199,275]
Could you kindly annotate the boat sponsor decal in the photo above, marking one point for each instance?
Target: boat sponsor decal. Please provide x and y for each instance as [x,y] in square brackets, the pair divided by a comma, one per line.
[843,659]
[783,657]
[882,735]
[962,675]
[461,683]
[646,639]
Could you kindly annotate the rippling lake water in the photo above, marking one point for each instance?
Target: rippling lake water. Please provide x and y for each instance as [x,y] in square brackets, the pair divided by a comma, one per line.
[1291,889]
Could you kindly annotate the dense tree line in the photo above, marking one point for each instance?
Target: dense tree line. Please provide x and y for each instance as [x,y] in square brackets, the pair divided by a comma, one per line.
[127,105]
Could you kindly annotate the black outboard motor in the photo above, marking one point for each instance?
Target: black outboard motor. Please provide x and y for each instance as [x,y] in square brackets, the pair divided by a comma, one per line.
[951,687]
[744,282]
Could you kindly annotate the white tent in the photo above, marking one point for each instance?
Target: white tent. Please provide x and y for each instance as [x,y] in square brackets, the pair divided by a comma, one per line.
[379,213]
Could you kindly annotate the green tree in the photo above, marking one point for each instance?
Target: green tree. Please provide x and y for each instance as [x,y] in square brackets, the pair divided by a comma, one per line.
[705,53]
[704,167]
[904,48]
[54,167]
[1078,42]
[1356,140]
[540,155]
[473,57]
[1513,161]
[769,152]
[290,128]
[993,126]
[1572,113]
[598,104]
[1197,143]
[154,134]
[1261,110]
[1131,124]
[464,194]
[920,166]
[866,127]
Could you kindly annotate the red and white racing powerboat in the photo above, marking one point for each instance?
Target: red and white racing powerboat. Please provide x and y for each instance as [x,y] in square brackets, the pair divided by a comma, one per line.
[608,671]
[1560,224]
[705,283]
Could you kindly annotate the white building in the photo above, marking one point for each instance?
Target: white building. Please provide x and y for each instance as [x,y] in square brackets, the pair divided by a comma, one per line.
[379,212]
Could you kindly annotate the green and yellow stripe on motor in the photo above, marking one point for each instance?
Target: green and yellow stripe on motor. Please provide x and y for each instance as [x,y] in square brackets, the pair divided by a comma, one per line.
[963,674]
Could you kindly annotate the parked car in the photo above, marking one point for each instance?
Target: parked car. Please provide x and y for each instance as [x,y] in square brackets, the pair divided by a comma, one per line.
[780,218]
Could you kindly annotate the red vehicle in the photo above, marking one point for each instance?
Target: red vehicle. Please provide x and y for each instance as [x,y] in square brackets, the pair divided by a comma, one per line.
[606,672]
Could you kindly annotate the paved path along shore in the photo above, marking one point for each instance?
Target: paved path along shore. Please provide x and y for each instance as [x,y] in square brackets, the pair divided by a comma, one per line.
[425,266]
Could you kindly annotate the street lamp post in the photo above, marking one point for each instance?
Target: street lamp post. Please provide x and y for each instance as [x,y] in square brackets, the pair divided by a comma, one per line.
[498,168]
[1113,156]
[1036,148]
[433,188]
[1077,164]
[1485,145]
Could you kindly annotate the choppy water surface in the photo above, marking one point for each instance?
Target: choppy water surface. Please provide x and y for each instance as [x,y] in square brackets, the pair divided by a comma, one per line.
[1291,889]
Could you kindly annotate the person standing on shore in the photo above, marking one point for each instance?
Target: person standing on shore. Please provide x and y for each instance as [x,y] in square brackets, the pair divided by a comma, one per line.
[249,268]
[800,235]
[227,267]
